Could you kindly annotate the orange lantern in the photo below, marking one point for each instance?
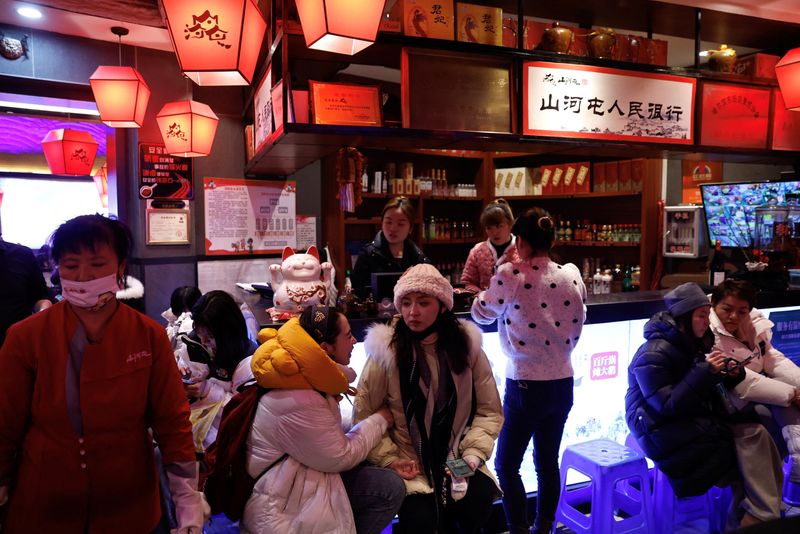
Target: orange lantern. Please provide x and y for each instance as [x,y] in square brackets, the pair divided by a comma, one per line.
[101,182]
[787,70]
[121,96]
[340,26]
[217,41]
[69,151]
[187,128]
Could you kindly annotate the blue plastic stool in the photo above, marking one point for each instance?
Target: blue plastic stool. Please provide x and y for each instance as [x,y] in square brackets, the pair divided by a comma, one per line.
[606,463]
[791,490]
[667,507]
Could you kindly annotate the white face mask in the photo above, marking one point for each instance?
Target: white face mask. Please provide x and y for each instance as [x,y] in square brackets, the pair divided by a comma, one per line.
[91,294]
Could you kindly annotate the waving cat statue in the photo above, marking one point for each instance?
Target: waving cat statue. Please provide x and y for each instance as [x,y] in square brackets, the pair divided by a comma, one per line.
[305,282]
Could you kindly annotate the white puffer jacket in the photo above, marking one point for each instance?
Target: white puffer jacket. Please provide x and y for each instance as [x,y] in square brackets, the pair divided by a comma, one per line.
[770,378]
[303,493]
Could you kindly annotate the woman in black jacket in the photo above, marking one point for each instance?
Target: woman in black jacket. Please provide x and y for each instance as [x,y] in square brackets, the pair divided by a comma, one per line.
[392,250]
[675,410]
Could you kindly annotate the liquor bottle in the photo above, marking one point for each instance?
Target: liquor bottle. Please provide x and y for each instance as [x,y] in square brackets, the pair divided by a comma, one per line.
[627,280]
[568,232]
[432,228]
[636,276]
[597,283]
[606,281]
[716,271]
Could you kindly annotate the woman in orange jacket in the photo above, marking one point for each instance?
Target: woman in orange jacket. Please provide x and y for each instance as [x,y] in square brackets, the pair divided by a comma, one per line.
[82,385]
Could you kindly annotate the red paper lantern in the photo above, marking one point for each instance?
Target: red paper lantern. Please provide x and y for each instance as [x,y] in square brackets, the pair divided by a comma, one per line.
[69,151]
[217,41]
[101,183]
[340,26]
[121,96]
[187,128]
[787,71]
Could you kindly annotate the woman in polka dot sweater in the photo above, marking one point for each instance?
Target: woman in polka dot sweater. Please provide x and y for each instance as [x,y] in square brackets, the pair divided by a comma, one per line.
[539,305]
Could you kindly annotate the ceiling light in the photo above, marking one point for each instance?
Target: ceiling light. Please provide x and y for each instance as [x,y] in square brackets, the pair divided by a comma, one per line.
[29,12]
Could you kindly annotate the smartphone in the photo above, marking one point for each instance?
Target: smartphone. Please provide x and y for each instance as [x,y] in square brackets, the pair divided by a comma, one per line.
[459,468]
[188,380]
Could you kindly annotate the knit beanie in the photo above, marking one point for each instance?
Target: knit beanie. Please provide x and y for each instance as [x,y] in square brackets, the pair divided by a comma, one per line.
[424,278]
[685,298]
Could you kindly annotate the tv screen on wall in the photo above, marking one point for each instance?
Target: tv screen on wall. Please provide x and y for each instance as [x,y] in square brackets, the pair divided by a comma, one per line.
[730,208]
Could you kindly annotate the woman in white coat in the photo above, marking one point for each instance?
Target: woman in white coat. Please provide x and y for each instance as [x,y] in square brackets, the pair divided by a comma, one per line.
[297,430]
[742,332]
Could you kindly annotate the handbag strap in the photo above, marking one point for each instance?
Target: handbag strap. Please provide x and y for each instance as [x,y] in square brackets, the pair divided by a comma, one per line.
[270,466]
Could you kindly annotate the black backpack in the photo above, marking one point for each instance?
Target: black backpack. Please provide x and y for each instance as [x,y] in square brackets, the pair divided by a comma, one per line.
[228,485]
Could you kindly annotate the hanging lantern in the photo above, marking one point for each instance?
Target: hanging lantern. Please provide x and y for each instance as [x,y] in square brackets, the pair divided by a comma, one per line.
[787,71]
[217,41]
[121,96]
[340,26]
[69,151]
[101,182]
[187,128]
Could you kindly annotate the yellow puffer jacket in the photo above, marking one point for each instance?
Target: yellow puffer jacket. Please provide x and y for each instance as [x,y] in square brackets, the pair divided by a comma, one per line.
[288,358]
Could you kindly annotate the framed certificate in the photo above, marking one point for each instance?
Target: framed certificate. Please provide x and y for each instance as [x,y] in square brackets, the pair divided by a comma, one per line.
[167,227]
[345,104]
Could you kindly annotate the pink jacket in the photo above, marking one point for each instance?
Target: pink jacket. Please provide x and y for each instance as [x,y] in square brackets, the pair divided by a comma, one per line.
[482,263]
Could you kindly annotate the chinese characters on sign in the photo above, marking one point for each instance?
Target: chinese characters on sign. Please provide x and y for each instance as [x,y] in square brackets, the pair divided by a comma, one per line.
[168,222]
[248,216]
[338,103]
[734,115]
[262,105]
[162,175]
[604,365]
[595,102]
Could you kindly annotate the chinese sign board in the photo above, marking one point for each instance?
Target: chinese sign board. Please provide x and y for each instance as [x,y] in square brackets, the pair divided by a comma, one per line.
[262,104]
[248,216]
[339,103]
[580,101]
[696,173]
[735,116]
[162,175]
[786,333]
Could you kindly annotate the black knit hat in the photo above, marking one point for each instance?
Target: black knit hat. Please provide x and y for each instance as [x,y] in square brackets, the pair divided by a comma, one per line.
[685,298]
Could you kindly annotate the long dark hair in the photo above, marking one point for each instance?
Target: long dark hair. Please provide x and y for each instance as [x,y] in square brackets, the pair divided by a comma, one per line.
[183,298]
[218,312]
[452,340]
[703,343]
[321,323]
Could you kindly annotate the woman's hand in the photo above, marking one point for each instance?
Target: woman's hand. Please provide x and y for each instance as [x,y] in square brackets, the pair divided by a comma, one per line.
[386,413]
[197,389]
[407,469]
[716,361]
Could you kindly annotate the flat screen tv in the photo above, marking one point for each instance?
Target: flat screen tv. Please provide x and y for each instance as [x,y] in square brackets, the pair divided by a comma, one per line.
[730,208]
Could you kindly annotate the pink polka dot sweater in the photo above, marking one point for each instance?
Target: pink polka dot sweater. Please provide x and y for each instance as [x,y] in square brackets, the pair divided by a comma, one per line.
[539,305]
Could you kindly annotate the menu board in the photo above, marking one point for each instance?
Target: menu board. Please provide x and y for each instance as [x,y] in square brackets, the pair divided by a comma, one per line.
[248,216]
[162,175]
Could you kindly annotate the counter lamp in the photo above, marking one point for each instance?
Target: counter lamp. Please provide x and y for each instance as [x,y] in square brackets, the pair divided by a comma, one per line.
[217,41]
[120,92]
[187,128]
[340,26]
[69,151]
[787,70]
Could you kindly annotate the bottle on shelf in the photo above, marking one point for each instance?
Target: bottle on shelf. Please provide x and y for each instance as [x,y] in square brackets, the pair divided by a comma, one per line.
[716,270]
[627,279]
[568,231]
[606,282]
[597,282]
[636,277]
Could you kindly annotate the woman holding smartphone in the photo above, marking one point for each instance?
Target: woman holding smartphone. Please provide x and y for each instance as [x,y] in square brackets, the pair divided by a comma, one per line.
[429,368]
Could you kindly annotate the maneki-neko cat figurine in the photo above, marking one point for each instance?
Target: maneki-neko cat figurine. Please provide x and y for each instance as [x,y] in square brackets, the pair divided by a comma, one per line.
[305,282]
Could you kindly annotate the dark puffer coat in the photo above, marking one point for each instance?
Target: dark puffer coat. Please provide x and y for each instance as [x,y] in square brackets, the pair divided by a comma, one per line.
[674,410]
[375,257]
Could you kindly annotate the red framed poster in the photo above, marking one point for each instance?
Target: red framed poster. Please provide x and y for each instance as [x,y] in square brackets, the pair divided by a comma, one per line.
[582,101]
[734,115]
[785,125]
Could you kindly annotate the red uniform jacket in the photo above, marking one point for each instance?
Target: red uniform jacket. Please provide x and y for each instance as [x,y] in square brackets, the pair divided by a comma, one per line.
[105,481]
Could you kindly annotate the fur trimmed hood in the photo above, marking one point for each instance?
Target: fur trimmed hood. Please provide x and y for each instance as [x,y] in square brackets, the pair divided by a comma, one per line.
[379,337]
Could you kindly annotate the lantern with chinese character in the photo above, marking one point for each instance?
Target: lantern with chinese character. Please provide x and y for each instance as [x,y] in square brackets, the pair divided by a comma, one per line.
[341,26]
[101,182]
[187,127]
[787,71]
[217,41]
[121,96]
[69,151]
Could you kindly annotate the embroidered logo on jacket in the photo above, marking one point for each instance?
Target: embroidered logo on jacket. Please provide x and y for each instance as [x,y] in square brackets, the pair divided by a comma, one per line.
[134,357]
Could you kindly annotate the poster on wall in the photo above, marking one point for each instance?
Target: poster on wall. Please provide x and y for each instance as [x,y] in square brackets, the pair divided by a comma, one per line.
[162,175]
[262,106]
[248,216]
[306,231]
[696,173]
[734,115]
[168,222]
[582,101]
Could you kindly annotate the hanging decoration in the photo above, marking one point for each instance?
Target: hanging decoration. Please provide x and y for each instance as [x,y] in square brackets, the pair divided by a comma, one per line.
[120,92]
[101,182]
[69,151]
[217,41]
[787,71]
[187,128]
[349,168]
[340,26]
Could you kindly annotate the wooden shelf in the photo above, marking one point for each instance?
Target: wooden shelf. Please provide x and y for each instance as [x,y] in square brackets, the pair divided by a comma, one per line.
[376,221]
[467,199]
[630,244]
[575,195]
[467,241]
[387,196]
